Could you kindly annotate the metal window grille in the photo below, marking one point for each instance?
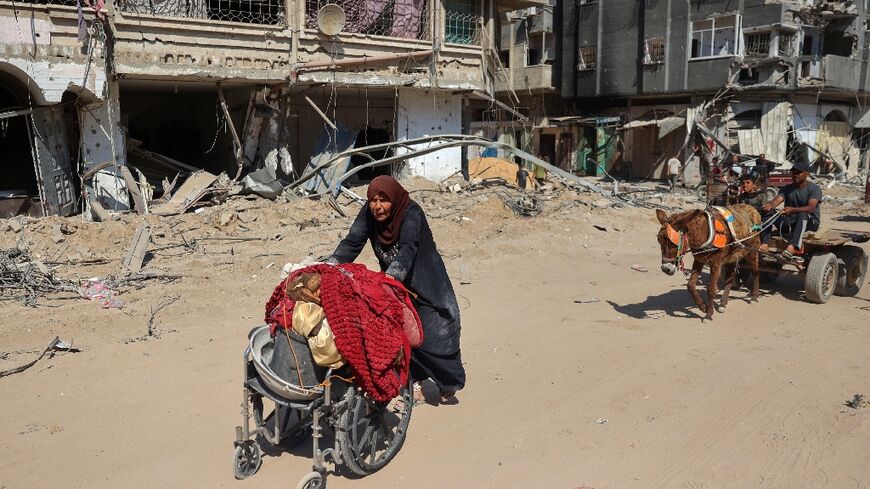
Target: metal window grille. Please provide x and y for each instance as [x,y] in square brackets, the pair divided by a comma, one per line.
[264,12]
[654,51]
[786,44]
[587,58]
[68,3]
[758,45]
[462,22]
[408,19]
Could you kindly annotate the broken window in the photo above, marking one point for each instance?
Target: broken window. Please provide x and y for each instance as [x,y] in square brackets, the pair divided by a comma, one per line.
[714,37]
[533,57]
[408,19]
[505,57]
[654,51]
[748,76]
[837,40]
[587,58]
[757,45]
[786,44]
[461,22]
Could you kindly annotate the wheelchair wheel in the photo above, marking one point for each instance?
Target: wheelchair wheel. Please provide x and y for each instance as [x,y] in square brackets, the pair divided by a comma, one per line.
[246,459]
[314,480]
[373,432]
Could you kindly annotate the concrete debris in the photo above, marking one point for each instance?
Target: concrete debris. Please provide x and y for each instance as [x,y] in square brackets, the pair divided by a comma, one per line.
[639,268]
[190,192]
[602,204]
[225,218]
[57,234]
[15,225]
[135,255]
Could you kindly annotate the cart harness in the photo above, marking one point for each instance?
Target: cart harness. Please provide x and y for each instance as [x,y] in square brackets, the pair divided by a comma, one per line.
[717,235]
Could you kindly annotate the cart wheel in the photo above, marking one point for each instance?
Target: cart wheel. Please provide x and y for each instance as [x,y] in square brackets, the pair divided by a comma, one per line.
[314,480]
[852,263]
[373,432]
[246,460]
[821,279]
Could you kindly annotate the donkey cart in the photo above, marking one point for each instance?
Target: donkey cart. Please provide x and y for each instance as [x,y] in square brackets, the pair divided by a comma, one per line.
[830,264]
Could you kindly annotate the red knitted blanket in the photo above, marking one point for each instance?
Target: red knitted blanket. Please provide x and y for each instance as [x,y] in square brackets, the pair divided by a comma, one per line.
[366,320]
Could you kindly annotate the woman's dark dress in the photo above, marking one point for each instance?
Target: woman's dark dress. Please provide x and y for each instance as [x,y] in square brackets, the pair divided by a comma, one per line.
[414,260]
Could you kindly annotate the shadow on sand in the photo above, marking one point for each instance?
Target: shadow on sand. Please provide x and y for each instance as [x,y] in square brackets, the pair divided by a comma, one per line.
[678,303]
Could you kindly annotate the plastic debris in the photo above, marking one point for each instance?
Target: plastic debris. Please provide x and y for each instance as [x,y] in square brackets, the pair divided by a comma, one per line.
[96,290]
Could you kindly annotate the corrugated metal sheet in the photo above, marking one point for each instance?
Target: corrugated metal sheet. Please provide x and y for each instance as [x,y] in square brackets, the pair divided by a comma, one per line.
[751,141]
[775,123]
[835,139]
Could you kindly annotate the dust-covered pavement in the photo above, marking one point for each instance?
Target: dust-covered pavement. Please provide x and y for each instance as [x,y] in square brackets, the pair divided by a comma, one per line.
[581,370]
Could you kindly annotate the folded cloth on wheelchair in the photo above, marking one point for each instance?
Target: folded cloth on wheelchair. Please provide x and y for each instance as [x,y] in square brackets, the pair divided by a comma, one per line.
[367,320]
[310,322]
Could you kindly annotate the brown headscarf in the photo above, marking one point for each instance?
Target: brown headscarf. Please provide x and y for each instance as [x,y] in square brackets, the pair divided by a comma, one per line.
[388,231]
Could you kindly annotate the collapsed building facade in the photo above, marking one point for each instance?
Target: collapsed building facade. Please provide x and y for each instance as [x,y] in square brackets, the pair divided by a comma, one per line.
[784,79]
[90,90]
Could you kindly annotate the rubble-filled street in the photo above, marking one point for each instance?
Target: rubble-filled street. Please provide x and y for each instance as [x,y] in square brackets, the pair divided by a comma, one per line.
[586,364]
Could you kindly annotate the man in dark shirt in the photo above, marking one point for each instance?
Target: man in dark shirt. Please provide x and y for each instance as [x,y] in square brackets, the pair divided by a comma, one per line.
[763,167]
[801,212]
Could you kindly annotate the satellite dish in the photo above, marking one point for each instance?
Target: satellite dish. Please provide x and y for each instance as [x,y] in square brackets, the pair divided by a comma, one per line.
[330,19]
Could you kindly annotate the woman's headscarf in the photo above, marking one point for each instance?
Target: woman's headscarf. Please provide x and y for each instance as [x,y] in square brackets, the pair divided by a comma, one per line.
[388,231]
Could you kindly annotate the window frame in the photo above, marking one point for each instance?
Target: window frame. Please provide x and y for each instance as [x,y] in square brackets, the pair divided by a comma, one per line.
[582,65]
[737,33]
[648,60]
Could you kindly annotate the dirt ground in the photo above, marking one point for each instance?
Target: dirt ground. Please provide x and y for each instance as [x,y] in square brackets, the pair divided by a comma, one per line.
[582,371]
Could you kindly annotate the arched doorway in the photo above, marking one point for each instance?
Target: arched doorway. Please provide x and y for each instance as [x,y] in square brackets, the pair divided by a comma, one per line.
[19,192]
[37,174]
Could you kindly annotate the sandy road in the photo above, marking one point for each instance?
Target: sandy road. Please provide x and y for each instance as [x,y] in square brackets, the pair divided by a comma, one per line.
[754,399]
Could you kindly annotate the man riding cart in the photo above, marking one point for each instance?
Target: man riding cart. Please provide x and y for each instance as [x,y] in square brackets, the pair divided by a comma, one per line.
[826,259]
[802,212]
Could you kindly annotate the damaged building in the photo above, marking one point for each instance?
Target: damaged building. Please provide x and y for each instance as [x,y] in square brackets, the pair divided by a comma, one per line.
[526,77]
[784,79]
[107,106]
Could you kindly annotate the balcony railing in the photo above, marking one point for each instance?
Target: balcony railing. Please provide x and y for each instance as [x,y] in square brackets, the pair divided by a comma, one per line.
[407,19]
[264,12]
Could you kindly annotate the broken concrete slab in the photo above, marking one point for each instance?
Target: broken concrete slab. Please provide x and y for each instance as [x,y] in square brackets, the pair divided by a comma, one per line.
[188,194]
[135,255]
[133,188]
[15,225]
[57,234]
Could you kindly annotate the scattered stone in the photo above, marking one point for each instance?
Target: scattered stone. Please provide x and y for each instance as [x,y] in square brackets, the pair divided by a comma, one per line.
[599,421]
[15,226]
[639,268]
[57,234]
[586,300]
[602,204]
[227,217]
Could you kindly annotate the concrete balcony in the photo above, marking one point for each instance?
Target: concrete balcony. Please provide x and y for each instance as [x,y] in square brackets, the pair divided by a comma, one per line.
[536,78]
[264,41]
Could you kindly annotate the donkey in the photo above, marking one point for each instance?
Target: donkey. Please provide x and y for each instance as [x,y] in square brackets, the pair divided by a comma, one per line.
[703,234]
